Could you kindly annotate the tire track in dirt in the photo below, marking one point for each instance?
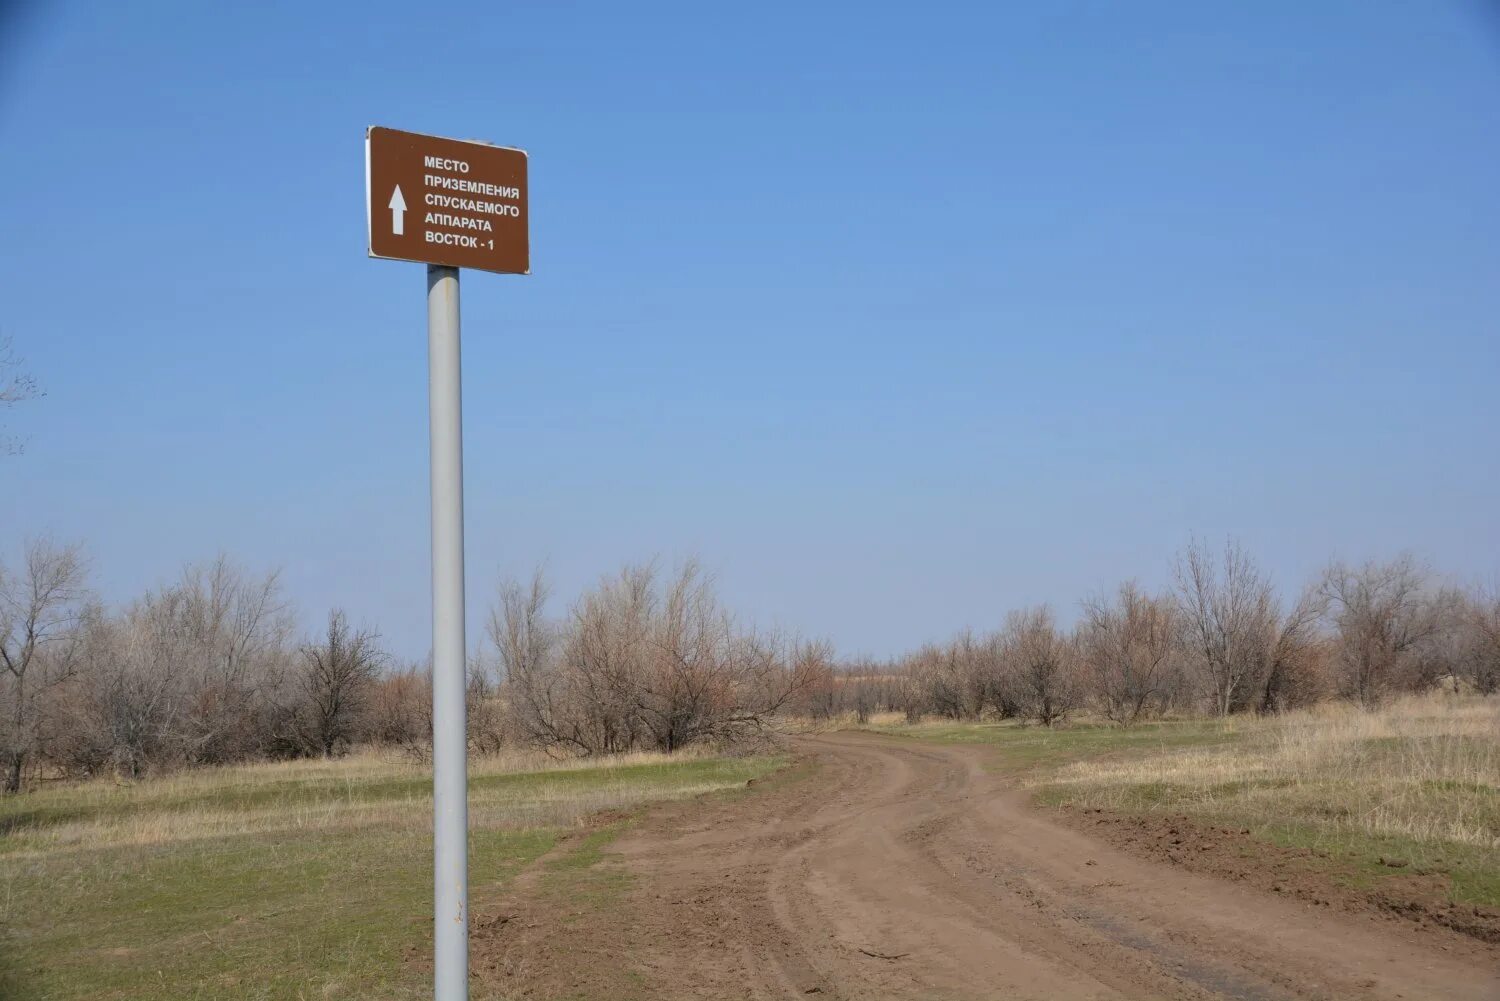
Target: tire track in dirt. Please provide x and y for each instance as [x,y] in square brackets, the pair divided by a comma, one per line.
[907,871]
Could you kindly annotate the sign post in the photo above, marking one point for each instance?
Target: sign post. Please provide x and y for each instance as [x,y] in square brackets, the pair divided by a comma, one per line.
[450,204]
[450,773]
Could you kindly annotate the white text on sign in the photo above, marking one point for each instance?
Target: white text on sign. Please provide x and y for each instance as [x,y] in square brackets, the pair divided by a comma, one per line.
[464,214]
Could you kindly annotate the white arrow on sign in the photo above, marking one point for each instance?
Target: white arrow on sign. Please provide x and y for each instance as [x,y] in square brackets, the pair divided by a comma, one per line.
[398,209]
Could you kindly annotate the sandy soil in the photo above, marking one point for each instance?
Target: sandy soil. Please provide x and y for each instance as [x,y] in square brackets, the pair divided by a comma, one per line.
[897,870]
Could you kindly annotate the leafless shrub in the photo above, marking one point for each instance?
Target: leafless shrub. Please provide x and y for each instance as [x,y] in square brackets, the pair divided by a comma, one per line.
[864,700]
[1478,628]
[1041,666]
[484,714]
[189,674]
[1296,669]
[938,689]
[641,665]
[1128,646]
[332,687]
[910,697]
[1231,620]
[1384,621]
[136,690]
[234,630]
[962,679]
[400,711]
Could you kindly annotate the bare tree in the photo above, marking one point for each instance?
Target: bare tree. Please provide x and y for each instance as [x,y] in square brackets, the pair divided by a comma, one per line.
[16,386]
[1294,672]
[1230,615]
[138,684]
[592,698]
[1479,630]
[237,630]
[975,664]
[1128,648]
[39,607]
[1384,618]
[400,710]
[526,647]
[189,674]
[72,738]
[960,679]
[569,686]
[518,628]
[523,643]
[642,665]
[938,686]
[910,693]
[1041,666]
[863,699]
[335,682]
[702,681]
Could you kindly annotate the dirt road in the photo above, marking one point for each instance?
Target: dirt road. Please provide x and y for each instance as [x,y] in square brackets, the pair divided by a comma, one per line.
[904,870]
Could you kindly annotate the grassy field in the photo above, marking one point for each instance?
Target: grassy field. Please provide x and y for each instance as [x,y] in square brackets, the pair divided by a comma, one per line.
[1418,781]
[289,881]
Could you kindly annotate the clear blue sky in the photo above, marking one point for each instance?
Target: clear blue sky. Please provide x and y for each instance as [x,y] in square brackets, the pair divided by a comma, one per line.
[898,316]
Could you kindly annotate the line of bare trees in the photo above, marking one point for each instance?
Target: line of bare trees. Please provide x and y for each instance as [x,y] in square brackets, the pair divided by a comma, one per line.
[644,662]
[203,671]
[1218,640]
[209,670]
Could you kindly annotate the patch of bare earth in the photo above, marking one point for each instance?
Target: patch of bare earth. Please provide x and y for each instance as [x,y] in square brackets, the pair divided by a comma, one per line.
[904,871]
[1310,875]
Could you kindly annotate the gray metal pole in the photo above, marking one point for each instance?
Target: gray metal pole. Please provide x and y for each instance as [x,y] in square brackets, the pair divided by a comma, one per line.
[450,792]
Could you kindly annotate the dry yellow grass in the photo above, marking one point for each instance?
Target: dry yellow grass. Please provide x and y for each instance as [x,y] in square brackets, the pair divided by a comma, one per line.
[1426,769]
[516,790]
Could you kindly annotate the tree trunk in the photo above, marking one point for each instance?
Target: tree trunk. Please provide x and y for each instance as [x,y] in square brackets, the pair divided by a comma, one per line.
[13,772]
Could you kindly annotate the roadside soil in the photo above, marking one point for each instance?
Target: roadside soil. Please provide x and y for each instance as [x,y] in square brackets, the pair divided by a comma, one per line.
[903,871]
[1230,853]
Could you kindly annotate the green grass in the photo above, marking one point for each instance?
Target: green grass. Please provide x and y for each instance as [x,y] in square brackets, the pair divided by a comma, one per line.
[257,917]
[1473,872]
[116,893]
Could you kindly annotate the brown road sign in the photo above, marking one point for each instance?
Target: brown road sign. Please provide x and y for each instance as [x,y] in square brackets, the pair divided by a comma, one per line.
[446,201]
